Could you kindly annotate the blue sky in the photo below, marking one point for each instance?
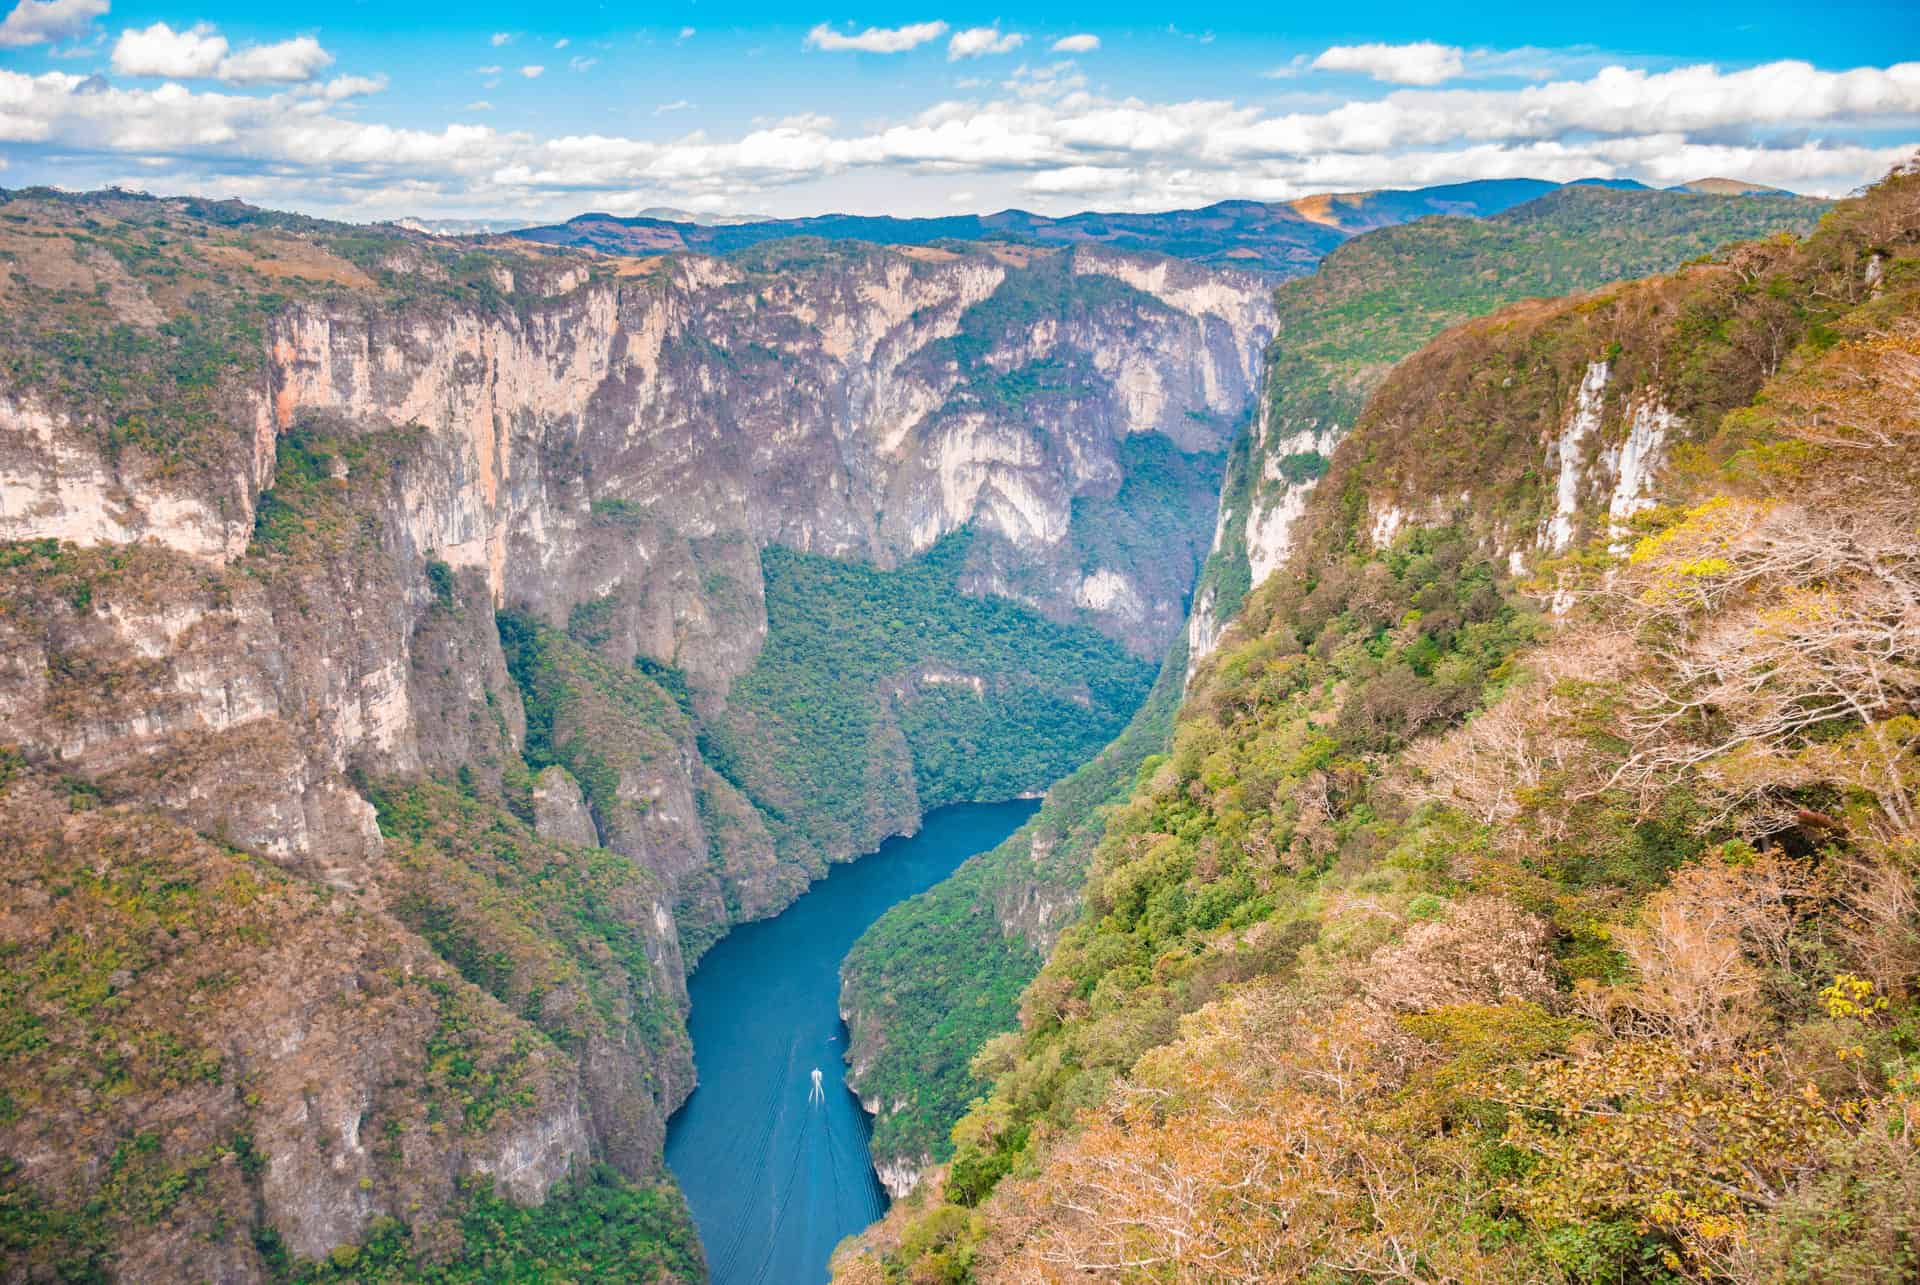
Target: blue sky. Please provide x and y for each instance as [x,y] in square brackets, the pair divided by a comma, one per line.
[368,110]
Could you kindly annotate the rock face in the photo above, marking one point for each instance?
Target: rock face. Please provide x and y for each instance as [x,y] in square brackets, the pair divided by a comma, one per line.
[713,410]
[632,441]
[276,602]
[278,1045]
[1409,282]
[560,810]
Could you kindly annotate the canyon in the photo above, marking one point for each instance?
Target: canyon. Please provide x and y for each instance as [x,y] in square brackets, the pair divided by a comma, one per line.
[260,606]
[417,652]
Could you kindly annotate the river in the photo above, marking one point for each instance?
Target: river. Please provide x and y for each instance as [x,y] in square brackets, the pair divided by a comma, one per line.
[775,1173]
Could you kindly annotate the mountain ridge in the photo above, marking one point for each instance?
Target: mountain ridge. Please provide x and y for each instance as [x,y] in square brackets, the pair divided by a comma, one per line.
[1374,300]
[1283,237]
[1489,916]
[485,627]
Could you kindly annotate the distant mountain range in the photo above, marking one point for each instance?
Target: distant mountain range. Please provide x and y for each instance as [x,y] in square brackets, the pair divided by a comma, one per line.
[492,227]
[1285,238]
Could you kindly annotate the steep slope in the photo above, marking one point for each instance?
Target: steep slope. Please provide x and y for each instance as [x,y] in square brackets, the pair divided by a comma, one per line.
[1381,296]
[1528,893]
[939,975]
[935,979]
[1283,238]
[493,602]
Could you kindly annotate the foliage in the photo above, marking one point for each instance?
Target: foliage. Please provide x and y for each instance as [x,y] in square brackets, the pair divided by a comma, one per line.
[562,686]
[600,1227]
[1046,290]
[1150,524]
[938,976]
[310,507]
[1382,295]
[1379,297]
[1644,1134]
[990,698]
[440,582]
[164,391]
[557,934]
[1445,946]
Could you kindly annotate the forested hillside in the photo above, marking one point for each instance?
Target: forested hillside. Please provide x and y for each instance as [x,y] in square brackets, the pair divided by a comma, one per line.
[414,653]
[1530,892]
[1284,238]
[935,978]
[1381,296]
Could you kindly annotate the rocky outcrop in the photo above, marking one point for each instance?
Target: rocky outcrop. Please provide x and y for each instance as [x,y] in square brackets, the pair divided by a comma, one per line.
[640,441]
[560,810]
[628,442]
[292,615]
[1566,461]
[56,484]
[275,1047]
[900,1177]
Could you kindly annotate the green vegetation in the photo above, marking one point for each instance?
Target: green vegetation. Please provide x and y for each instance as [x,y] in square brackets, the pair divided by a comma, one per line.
[615,511]
[1382,295]
[1046,290]
[1385,293]
[440,583]
[1374,301]
[171,387]
[311,506]
[1450,942]
[1151,519]
[938,976]
[942,979]
[1410,639]
[572,697]
[75,1243]
[557,934]
[1005,700]
[601,1227]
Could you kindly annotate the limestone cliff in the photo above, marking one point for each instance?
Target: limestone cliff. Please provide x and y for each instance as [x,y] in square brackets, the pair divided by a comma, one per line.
[1379,297]
[266,483]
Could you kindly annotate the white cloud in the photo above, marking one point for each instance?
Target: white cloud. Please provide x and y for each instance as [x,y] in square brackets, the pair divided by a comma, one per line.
[532,71]
[686,33]
[40,22]
[977,41]
[876,40]
[500,38]
[1056,80]
[479,105]
[159,50]
[1080,44]
[1786,123]
[1080,179]
[677,105]
[581,64]
[493,70]
[563,42]
[1420,63]
[341,88]
[201,53]
[287,62]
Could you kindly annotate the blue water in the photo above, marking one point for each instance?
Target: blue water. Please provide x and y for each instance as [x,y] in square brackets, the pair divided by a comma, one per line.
[775,1177]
